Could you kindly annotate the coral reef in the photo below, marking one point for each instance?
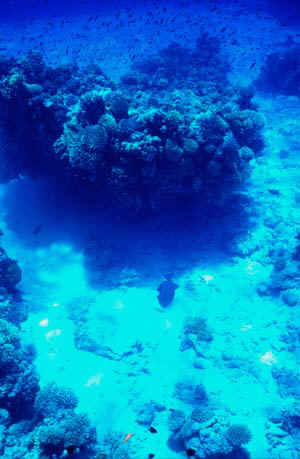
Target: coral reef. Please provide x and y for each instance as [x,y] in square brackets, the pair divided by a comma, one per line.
[12,307]
[51,399]
[238,435]
[288,382]
[166,135]
[68,432]
[189,392]
[19,382]
[208,434]
[112,447]
[282,429]
[197,336]
[34,422]
[284,277]
[10,272]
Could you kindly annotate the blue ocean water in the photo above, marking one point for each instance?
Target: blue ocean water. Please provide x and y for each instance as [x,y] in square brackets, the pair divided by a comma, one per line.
[149,225]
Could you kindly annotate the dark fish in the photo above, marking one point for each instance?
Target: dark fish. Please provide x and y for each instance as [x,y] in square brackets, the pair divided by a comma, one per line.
[152,430]
[190,452]
[37,229]
[274,191]
[71,449]
[166,291]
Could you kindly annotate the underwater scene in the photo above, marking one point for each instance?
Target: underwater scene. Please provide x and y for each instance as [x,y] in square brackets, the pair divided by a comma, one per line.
[150,229]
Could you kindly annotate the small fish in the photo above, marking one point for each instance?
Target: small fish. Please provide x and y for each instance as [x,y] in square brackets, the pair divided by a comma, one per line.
[37,229]
[128,437]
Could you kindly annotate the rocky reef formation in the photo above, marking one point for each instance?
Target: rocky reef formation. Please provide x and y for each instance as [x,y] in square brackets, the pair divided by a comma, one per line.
[173,132]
